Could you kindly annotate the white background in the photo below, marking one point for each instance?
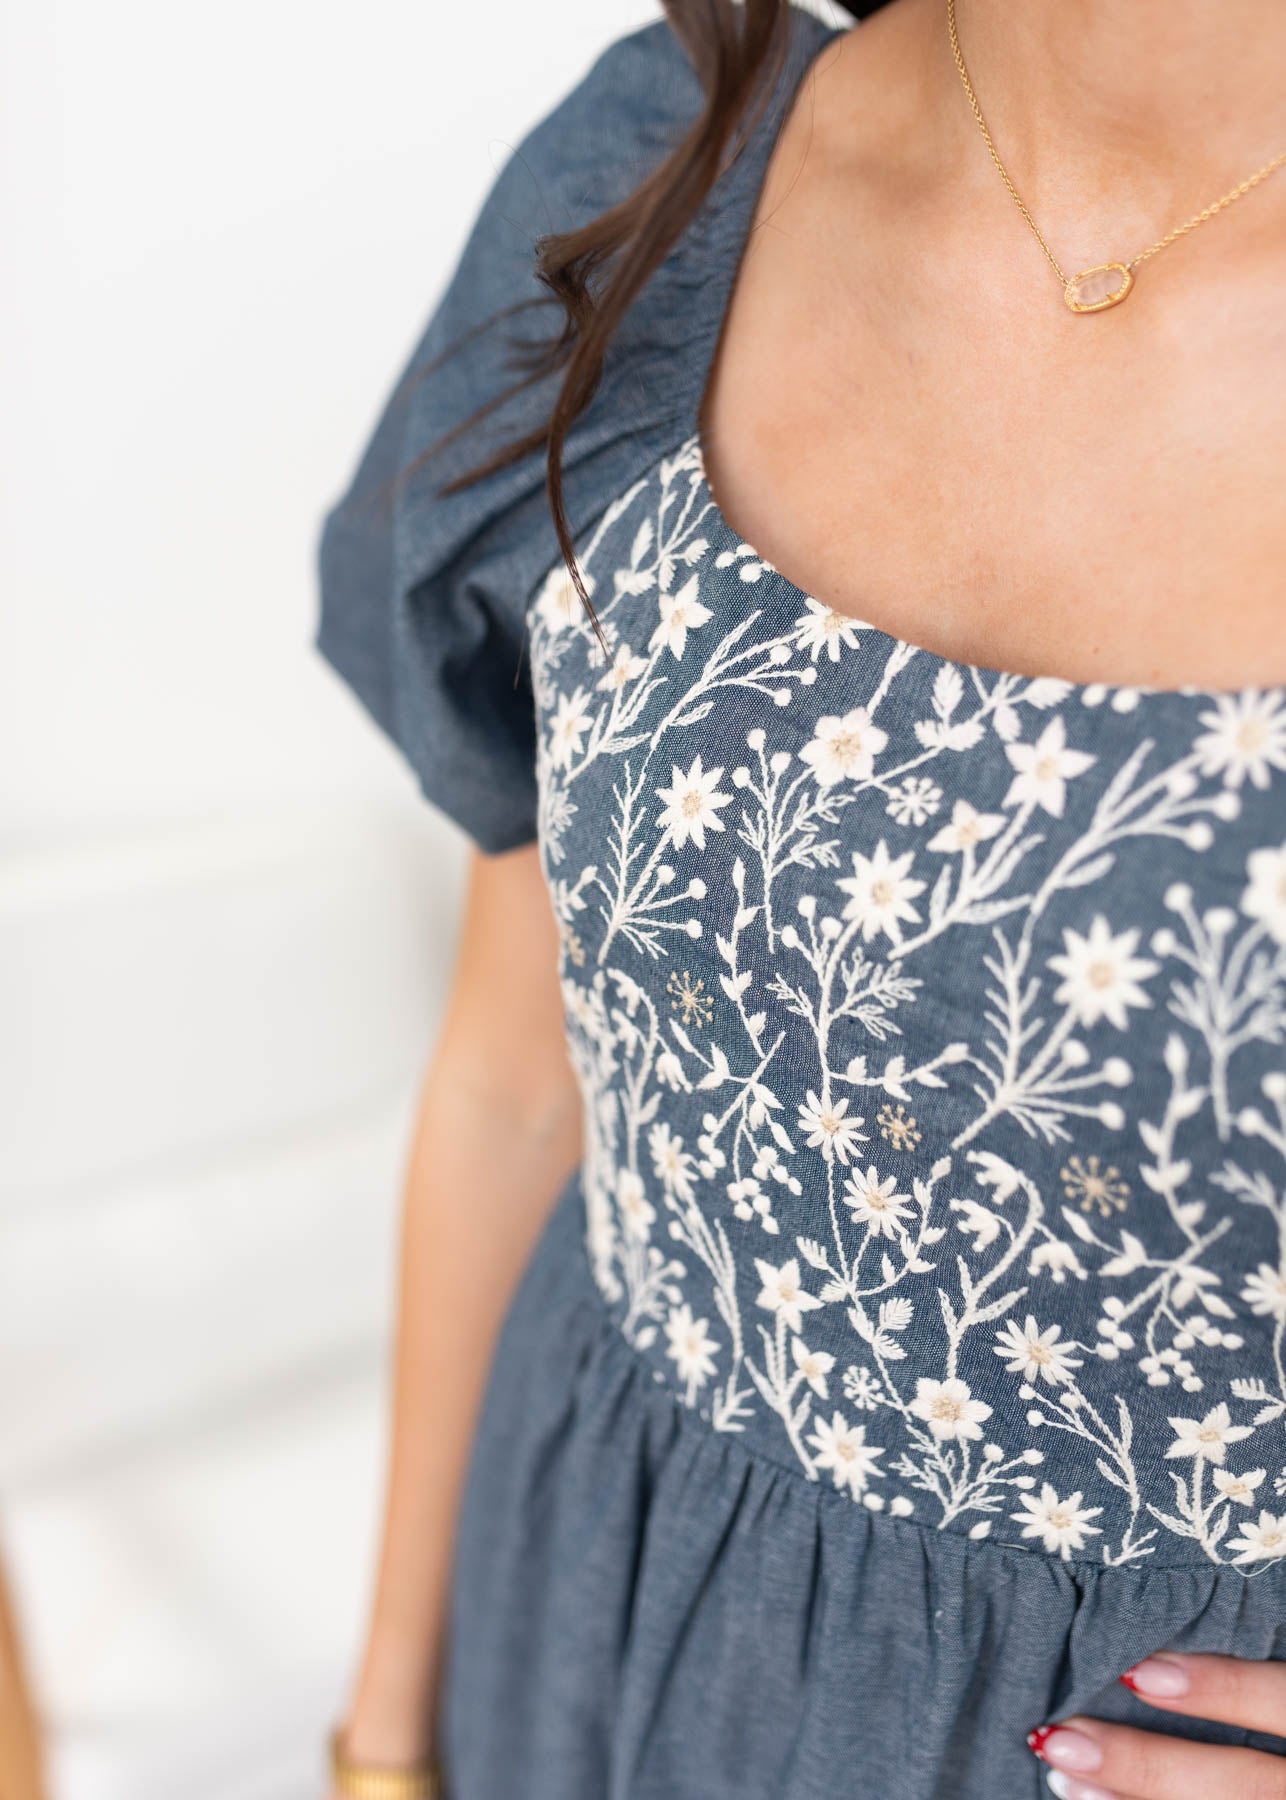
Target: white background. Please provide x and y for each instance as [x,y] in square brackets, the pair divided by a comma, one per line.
[225,914]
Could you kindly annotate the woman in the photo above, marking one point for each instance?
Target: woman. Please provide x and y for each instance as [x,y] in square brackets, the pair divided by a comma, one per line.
[865,1058]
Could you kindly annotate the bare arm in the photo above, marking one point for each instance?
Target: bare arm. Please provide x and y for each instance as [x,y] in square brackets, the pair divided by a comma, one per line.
[497,1134]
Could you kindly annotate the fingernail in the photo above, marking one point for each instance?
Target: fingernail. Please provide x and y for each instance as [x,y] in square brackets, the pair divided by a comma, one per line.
[1158,1678]
[1065,1788]
[1070,1750]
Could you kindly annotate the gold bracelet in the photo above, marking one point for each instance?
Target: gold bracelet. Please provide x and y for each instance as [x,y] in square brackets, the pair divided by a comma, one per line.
[364,1781]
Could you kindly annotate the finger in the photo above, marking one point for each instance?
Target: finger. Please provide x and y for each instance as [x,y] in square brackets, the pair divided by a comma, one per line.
[1067,1787]
[1226,1688]
[1147,1766]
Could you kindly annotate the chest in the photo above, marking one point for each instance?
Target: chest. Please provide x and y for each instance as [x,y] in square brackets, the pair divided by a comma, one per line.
[978,470]
[857,858]
[912,998]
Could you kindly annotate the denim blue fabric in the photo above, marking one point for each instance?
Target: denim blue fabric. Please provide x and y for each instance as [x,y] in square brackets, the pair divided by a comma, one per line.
[905,1360]
[646,1610]
[423,595]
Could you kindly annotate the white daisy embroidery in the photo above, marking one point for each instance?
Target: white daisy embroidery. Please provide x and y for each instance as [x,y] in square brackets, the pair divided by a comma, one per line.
[813,1365]
[1101,974]
[949,1409]
[1265,1292]
[1246,740]
[968,829]
[571,722]
[692,805]
[1260,1540]
[1209,1437]
[690,1347]
[674,1167]
[626,667]
[877,1203]
[821,628]
[1044,769]
[1035,1354]
[559,605]
[956,1024]
[844,748]
[783,1292]
[830,1128]
[1241,1488]
[1061,1525]
[637,1212]
[842,1449]
[881,891]
[680,614]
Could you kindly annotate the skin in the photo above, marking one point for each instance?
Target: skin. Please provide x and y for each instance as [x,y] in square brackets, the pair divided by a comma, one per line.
[1096,1761]
[497,1134]
[1097,498]
[905,418]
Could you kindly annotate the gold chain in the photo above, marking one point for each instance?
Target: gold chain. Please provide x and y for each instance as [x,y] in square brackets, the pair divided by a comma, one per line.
[1143,255]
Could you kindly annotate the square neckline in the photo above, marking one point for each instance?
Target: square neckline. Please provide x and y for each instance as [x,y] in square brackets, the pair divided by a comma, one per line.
[747,177]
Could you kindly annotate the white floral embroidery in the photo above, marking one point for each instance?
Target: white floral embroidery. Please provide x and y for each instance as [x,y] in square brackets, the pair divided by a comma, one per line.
[813,1365]
[782,1292]
[1261,1540]
[876,1204]
[1265,895]
[1241,1488]
[1101,974]
[843,1449]
[1038,1355]
[1061,1525]
[691,1348]
[968,829]
[948,1408]
[1207,1438]
[1265,1292]
[880,891]
[1246,739]
[827,1128]
[844,748]
[910,1001]
[1044,769]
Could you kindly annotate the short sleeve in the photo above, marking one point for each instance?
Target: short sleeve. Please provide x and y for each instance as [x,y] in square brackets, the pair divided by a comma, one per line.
[423,596]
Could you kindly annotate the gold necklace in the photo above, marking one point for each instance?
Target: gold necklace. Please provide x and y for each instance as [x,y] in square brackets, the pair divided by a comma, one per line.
[1106,284]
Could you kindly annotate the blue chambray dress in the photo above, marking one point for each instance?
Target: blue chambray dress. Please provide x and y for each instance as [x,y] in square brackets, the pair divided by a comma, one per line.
[905,1359]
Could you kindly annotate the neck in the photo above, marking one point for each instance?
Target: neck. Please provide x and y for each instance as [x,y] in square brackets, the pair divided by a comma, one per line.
[1120,116]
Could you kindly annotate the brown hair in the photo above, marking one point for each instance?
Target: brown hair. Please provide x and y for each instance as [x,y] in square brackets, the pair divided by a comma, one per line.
[737,51]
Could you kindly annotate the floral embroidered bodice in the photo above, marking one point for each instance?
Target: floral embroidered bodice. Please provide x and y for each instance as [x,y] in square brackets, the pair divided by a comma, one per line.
[931,1024]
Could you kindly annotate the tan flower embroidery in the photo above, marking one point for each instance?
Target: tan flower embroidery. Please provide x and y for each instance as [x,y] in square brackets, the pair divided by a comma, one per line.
[689,998]
[900,1131]
[1091,1185]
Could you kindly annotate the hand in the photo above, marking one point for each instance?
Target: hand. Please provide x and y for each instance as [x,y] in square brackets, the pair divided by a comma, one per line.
[1097,1761]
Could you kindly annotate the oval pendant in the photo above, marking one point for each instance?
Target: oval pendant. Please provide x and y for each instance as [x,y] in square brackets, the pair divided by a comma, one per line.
[1094,290]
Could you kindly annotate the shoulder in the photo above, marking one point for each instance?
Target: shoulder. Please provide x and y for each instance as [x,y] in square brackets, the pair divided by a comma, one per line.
[632,105]
[589,152]
[603,135]
[424,583]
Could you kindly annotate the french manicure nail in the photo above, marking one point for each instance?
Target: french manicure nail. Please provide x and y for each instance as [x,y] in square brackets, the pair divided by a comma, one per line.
[1065,1749]
[1158,1678]
[1063,1787]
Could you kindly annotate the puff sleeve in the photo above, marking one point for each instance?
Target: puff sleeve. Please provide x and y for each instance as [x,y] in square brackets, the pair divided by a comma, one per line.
[423,596]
